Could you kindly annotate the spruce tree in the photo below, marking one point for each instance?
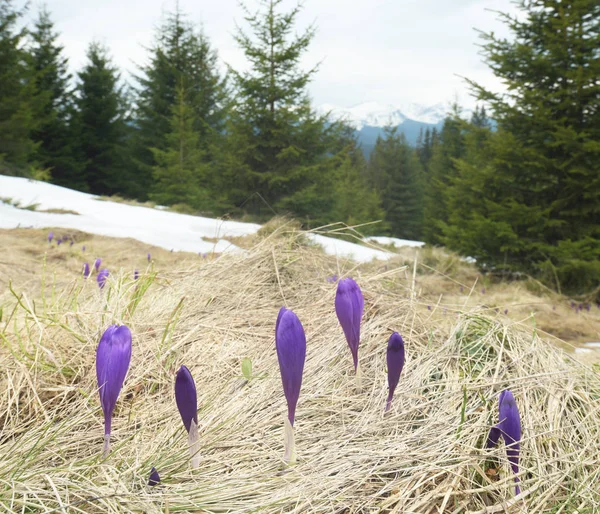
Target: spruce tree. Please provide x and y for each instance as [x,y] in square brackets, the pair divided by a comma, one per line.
[282,146]
[17,94]
[54,106]
[396,173]
[180,174]
[101,125]
[540,189]
[181,57]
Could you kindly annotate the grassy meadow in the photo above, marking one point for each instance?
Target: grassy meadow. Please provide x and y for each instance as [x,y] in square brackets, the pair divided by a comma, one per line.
[427,455]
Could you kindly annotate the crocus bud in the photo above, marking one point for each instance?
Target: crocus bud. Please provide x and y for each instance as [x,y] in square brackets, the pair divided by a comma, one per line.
[290,342]
[112,362]
[395,363]
[83,248]
[154,477]
[187,403]
[149,257]
[72,242]
[101,278]
[349,306]
[86,270]
[509,428]
[58,241]
[136,274]
[50,237]
[97,263]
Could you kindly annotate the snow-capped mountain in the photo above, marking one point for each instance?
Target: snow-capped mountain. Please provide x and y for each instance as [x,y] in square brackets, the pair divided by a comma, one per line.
[373,114]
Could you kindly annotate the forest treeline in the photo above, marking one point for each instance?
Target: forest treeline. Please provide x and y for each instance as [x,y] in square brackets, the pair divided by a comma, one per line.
[519,194]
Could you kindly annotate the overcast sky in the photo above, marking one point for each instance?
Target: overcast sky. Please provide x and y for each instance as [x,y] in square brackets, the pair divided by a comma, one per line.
[384,51]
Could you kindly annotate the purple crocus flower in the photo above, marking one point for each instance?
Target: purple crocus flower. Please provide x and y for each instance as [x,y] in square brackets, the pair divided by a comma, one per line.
[86,270]
[97,263]
[154,477]
[58,241]
[290,342]
[112,362]
[149,257]
[510,429]
[50,237]
[136,274]
[483,291]
[72,242]
[101,278]
[187,403]
[83,248]
[349,306]
[395,363]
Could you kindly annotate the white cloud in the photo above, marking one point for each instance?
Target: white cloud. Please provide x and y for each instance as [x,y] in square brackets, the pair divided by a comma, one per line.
[386,51]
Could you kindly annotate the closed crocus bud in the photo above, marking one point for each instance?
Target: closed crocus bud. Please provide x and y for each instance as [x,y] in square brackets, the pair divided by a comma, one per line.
[86,270]
[395,363]
[58,241]
[97,263]
[349,307]
[102,277]
[187,403]
[290,342]
[112,362]
[136,274]
[509,427]
[50,237]
[154,477]
[149,257]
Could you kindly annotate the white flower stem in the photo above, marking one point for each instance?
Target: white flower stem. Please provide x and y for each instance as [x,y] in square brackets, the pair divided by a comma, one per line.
[358,377]
[106,449]
[194,445]
[289,456]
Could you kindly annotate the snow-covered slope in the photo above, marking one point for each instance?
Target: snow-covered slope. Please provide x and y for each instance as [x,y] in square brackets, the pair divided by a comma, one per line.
[169,230]
[373,114]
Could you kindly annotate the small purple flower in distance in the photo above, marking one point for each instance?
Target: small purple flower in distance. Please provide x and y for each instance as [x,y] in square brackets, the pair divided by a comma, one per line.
[58,241]
[509,427]
[587,307]
[136,274]
[112,362]
[86,270]
[72,242]
[50,236]
[149,257]
[429,307]
[572,305]
[101,278]
[97,263]
[349,307]
[395,363]
[83,248]
[154,477]
[554,307]
[462,289]
[483,291]
[290,342]
[505,311]
[186,397]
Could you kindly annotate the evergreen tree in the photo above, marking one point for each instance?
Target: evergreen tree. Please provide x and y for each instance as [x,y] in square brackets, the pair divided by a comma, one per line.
[396,173]
[54,106]
[180,174]
[101,125]
[282,146]
[17,91]
[448,147]
[540,188]
[181,57]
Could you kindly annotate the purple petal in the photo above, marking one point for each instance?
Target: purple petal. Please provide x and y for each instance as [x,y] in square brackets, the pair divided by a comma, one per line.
[86,270]
[493,437]
[101,278]
[349,306]
[290,342]
[154,477]
[395,363]
[510,427]
[97,263]
[112,362]
[186,398]
[149,257]
[50,237]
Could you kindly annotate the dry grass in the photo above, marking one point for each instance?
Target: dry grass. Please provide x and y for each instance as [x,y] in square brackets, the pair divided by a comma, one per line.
[425,456]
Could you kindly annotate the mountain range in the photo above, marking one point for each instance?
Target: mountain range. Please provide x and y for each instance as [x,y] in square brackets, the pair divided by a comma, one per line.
[369,119]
